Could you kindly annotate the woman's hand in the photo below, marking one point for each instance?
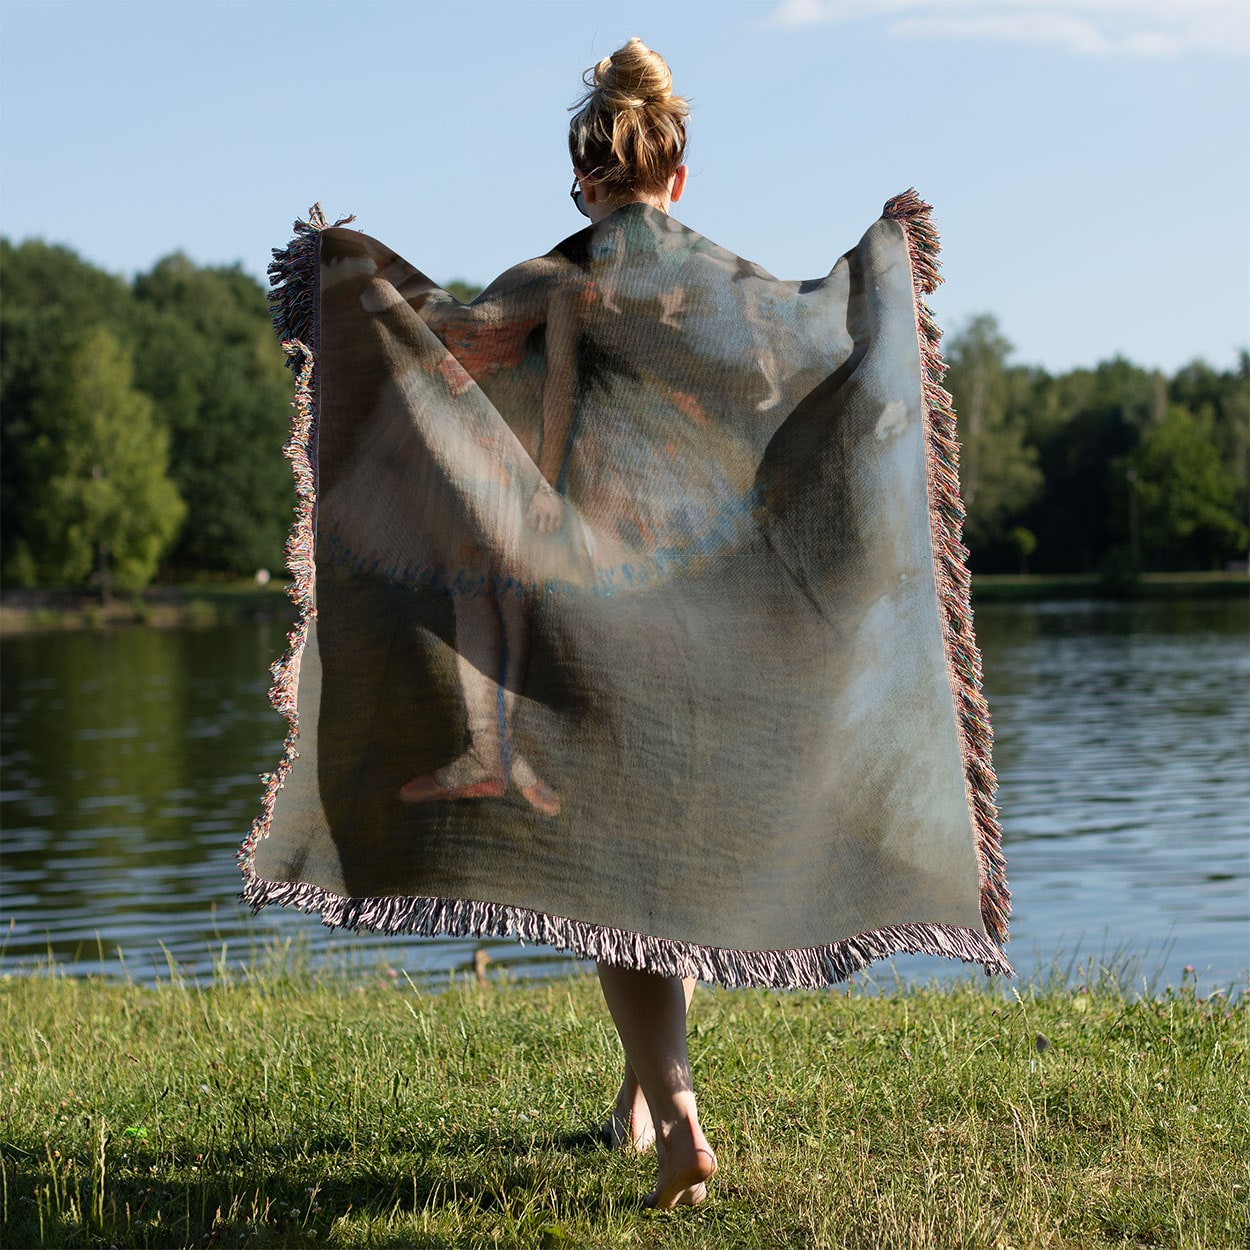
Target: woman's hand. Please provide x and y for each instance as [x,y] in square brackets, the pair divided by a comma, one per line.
[546,511]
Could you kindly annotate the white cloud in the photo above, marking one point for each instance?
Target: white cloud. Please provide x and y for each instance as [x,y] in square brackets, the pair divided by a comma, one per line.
[1136,28]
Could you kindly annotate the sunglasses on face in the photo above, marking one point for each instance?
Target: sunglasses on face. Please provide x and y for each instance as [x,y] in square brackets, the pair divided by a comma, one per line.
[576,196]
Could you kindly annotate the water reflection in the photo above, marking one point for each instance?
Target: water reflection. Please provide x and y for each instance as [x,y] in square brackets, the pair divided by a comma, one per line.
[131,764]
[1123,735]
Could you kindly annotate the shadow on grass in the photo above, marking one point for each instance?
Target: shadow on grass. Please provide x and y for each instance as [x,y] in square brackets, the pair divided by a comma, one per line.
[294,1194]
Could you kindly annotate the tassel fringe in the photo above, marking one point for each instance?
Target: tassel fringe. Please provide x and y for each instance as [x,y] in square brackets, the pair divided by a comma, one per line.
[810,968]
[950,558]
[294,294]
[295,306]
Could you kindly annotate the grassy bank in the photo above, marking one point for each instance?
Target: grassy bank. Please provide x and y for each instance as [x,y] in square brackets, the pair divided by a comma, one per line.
[284,1110]
[191,603]
[215,603]
[1001,587]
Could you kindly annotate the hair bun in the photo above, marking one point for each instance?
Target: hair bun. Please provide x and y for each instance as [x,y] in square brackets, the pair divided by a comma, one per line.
[633,77]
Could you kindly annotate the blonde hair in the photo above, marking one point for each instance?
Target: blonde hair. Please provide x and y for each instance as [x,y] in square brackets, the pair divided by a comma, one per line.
[629,131]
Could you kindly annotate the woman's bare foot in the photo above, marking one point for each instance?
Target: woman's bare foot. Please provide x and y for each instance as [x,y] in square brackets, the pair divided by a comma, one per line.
[649,1011]
[629,1126]
[686,1165]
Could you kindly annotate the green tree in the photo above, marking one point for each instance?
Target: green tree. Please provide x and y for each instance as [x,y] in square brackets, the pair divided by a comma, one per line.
[998,467]
[465,292]
[1024,543]
[1223,399]
[1087,422]
[51,296]
[207,356]
[103,506]
[1187,493]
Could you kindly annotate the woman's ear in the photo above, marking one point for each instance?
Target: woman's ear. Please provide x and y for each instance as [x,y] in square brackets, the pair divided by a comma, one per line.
[678,184]
[588,186]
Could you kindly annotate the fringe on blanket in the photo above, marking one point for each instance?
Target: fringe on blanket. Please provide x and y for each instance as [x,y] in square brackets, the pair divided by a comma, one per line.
[950,560]
[294,304]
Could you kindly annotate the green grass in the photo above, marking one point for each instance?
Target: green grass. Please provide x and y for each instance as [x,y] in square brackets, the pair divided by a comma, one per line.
[281,1108]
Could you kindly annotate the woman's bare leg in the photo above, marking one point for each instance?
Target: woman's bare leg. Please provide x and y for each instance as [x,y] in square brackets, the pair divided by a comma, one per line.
[649,1012]
[629,1126]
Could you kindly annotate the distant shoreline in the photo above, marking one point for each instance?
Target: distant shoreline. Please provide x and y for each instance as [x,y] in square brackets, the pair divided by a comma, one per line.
[164,607]
[205,604]
[1007,587]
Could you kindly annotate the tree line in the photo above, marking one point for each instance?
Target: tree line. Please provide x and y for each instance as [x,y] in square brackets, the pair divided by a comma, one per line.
[141,423]
[1114,470]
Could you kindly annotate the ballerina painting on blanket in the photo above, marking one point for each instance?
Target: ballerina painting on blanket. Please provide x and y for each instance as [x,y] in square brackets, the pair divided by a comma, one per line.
[491,602]
[559,501]
[492,636]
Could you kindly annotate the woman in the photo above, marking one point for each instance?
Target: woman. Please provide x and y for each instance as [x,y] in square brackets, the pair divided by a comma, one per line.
[641,627]
[628,143]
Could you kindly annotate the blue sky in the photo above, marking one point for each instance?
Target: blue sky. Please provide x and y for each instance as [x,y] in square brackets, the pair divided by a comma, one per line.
[1089,160]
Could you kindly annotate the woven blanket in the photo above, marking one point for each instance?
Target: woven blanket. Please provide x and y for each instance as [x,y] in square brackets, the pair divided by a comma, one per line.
[633,612]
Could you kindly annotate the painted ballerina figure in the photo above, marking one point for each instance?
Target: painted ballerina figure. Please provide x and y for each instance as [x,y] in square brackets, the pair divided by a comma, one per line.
[492,608]
[534,474]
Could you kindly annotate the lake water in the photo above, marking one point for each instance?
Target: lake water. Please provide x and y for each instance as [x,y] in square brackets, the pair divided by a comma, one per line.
[130,762]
